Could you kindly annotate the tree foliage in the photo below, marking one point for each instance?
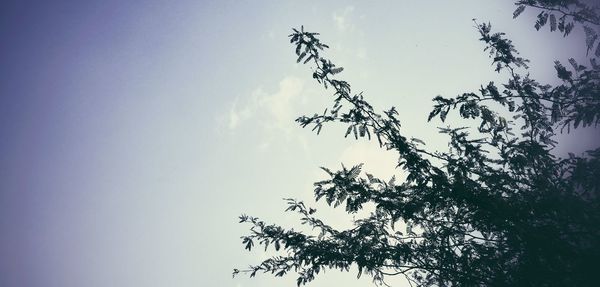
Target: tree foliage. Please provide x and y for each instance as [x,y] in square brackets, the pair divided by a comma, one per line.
[563,15]
[499,208]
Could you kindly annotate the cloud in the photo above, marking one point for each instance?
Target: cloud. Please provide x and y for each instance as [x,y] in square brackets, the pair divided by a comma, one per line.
[342,19]
[273,110]
[273,114]
[235,115]
[281,104]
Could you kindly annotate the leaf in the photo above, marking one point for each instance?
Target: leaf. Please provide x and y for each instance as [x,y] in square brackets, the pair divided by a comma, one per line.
[309,58]
[574,64]
[362,131]
[561,24]
[348,131]
[443,114]
[518,11]
[433,113]
[248,242]
[328,171]
[562,72]
[542,18]
[590,38]
[552,23]
[511,106]
[354,171]
[568,28]
[418,141]
[593,60]
[392,181]
[301,57]
[336,70]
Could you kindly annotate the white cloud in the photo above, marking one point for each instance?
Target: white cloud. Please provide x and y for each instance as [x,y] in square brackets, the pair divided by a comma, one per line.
[273,112]
[234,118]
[281,104]
[342,19]
[241,114]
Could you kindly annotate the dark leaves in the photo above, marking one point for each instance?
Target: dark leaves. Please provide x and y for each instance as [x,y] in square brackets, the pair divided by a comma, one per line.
[301,57]
[249,243]
[562,72]
[590,37]
[493,201]
[568,28]
[542,18]
[501,50]
[518,11]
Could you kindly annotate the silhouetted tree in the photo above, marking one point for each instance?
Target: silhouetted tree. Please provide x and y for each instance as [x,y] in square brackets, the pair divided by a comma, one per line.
[497,209]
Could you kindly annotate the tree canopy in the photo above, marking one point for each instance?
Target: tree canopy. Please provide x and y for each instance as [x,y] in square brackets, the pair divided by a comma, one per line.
[498,208]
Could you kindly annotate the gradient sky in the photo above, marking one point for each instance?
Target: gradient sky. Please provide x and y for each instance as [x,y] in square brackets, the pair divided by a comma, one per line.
[133,133]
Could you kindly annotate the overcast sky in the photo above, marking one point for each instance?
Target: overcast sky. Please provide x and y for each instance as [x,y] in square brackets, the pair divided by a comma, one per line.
[133,133]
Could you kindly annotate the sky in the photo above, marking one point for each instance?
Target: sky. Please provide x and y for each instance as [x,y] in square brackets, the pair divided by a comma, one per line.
[134,133]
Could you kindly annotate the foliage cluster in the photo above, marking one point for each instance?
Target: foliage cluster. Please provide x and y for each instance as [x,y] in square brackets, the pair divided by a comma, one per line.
[499,208]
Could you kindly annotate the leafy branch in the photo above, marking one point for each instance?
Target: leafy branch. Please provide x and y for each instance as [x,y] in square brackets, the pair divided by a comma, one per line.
[498,201]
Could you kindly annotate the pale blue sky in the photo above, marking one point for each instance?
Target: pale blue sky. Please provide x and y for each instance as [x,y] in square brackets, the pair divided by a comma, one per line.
[133,135]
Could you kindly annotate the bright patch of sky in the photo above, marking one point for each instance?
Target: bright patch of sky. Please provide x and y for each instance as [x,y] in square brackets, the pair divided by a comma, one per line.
[134,134]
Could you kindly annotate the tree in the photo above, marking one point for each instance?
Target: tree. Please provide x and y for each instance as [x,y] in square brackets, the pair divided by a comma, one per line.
[497,209]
